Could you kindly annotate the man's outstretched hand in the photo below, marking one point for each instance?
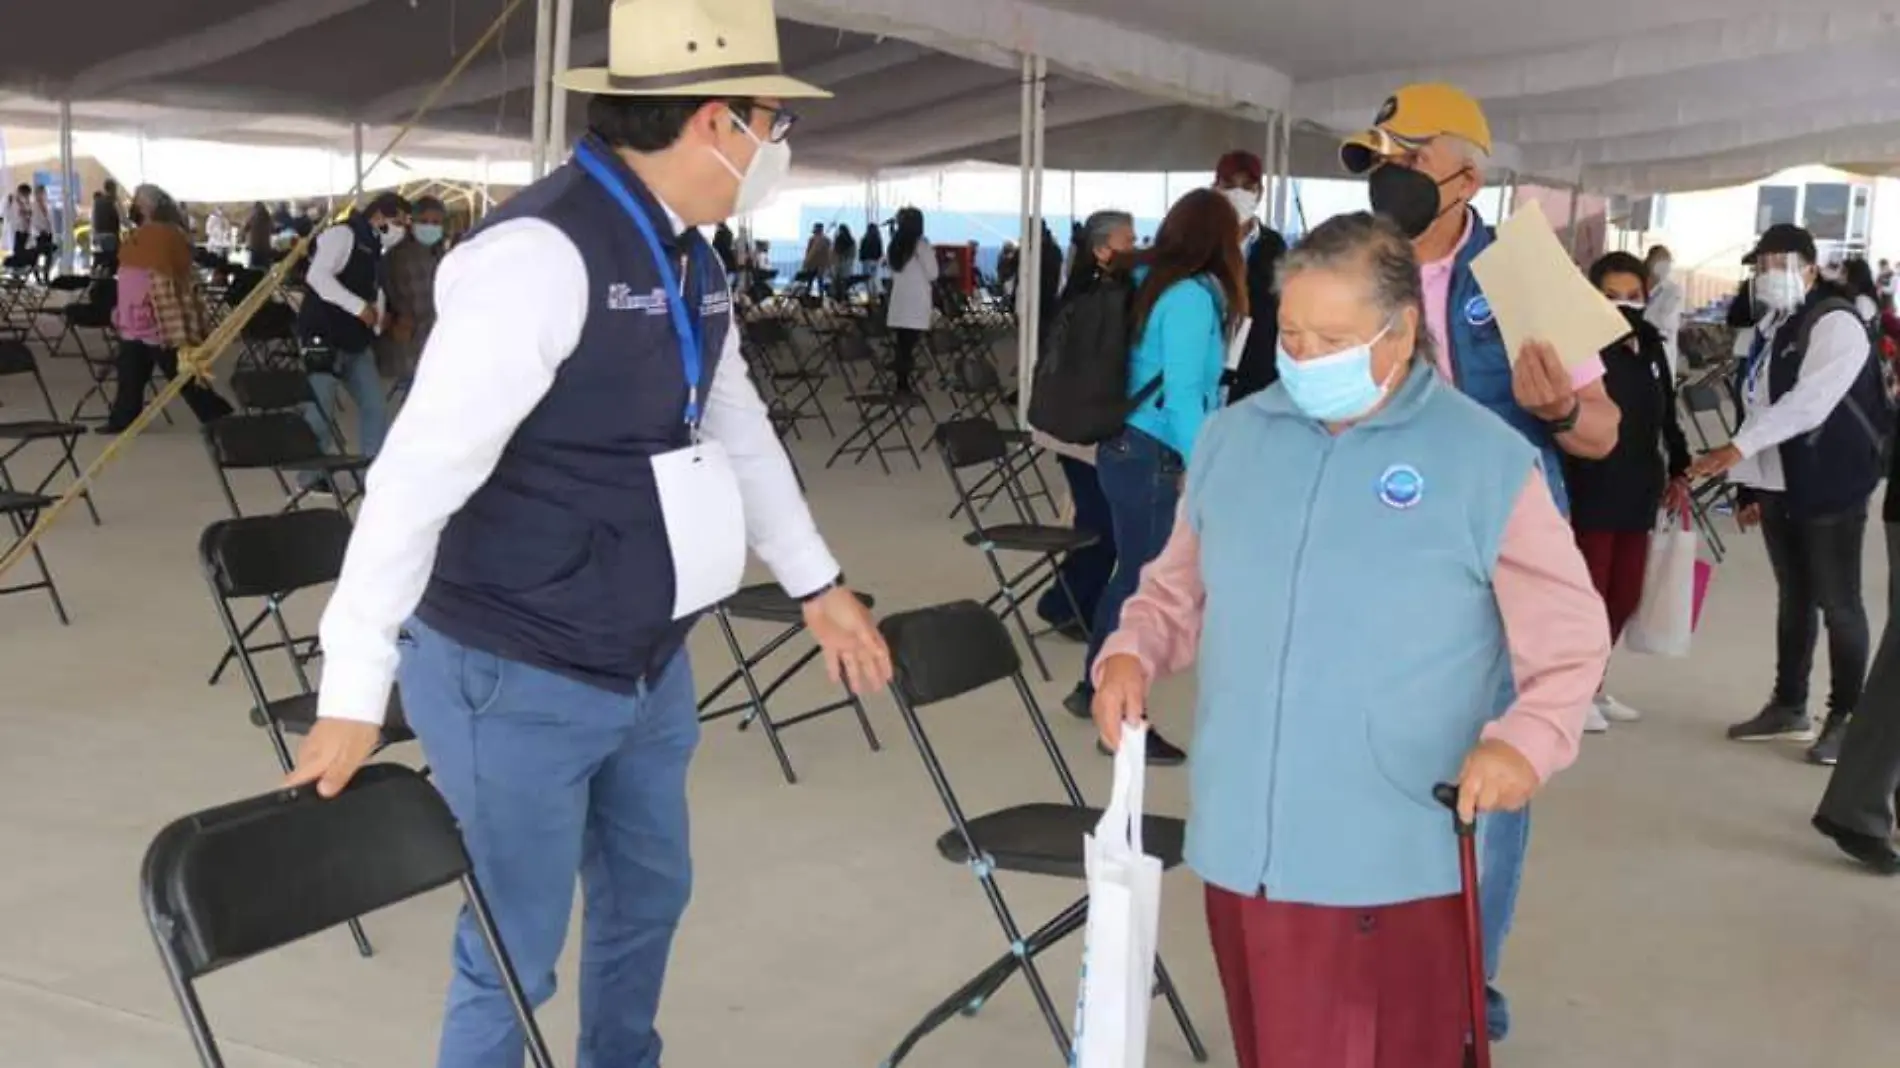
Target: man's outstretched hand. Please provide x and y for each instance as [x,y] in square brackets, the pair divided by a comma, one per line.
[855,653]
[332,752]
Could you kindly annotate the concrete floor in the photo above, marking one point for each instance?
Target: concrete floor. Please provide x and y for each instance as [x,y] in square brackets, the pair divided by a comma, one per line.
[1677,909]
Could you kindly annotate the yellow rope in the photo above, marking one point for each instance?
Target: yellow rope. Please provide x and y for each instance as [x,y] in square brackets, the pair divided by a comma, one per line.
[196,362]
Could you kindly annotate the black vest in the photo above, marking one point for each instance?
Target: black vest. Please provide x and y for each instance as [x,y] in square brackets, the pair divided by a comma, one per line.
[561,559]
[321,322]
[1834,467]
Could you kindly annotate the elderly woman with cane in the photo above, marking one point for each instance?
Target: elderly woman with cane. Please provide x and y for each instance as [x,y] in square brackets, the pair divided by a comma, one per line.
[1381,596]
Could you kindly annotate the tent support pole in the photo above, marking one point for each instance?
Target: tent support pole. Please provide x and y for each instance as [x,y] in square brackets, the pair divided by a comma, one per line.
[1571,240]
[356,139]
[543,82]
[556,152]
[1024,153]
[68,195]
[1029,277]
[1282,133]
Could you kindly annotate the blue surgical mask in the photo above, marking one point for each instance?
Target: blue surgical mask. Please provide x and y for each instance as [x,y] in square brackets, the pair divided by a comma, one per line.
[430,234]
[1336,388]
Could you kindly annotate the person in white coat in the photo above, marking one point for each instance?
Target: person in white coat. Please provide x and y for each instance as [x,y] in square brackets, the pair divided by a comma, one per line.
[1664,311]
[914,279]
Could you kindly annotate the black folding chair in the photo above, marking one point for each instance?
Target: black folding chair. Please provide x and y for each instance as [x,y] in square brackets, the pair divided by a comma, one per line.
[948,651]
[271,558]
[789,378]
[283,444]
[980,444]
[234,882]
[22,511]
[769,604]
[17,435]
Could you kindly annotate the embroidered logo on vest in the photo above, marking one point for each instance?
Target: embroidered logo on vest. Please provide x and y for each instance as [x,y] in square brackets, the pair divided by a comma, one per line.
[621,297]
[1478,310]
[1401,487]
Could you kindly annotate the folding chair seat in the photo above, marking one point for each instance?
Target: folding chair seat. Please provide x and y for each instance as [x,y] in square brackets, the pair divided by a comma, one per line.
[953,650]
[979,444]
[270,337]
[64,291]
[768,604]
[22,511]
[234,882]
[282,443]
[272,558]
[16,436]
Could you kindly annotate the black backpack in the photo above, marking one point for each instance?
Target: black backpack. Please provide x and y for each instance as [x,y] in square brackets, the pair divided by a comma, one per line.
[1079,394]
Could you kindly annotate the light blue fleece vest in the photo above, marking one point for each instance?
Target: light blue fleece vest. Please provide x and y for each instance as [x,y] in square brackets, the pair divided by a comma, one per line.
[1352,648]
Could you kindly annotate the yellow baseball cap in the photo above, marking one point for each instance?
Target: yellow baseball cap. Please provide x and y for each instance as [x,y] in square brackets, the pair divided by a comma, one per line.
[1413,116]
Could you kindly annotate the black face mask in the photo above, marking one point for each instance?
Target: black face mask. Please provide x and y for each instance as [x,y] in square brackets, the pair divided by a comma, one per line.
[1407,197]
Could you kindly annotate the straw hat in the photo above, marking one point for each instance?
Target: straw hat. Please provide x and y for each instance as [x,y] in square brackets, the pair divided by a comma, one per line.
[692,48]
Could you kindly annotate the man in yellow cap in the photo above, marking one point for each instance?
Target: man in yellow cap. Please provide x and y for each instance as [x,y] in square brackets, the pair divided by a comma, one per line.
[1424,158]
[566,491]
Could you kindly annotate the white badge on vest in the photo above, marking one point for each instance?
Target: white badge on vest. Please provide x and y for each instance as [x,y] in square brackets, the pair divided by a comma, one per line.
[705,524]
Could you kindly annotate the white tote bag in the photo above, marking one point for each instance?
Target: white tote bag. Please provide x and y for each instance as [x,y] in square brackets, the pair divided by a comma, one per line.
[1118,955]
[1665,617]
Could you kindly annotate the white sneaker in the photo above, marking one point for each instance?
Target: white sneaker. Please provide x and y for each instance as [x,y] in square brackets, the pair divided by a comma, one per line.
[1616,711]
[1595,722]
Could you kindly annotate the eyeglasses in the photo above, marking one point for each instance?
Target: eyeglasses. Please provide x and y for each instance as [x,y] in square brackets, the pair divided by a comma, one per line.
[783,119]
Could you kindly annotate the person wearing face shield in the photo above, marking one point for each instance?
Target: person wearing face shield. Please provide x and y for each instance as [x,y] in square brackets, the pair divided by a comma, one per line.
[1397,528]
[1664,310]
[409,290]
[1424,160]
[342,317]
[1816,423]
[575,477]
[1238,178]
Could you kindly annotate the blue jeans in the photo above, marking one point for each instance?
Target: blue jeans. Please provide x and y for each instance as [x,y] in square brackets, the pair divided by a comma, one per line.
[1141,478]
[551,778]
[355,373]
[1503,840]
[1085,572]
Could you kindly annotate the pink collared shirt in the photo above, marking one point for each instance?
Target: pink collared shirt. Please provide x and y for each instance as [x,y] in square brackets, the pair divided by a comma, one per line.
[1553,625]
[1435,278]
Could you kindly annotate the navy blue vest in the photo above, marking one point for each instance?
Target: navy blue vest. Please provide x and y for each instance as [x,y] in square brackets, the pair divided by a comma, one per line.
[321,321]
[561,559]
[1834,467]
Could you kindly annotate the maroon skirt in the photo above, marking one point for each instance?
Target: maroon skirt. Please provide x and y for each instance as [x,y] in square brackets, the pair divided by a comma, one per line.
[1310,986]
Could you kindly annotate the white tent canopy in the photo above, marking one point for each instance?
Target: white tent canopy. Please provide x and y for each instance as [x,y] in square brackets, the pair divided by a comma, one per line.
[1617,95]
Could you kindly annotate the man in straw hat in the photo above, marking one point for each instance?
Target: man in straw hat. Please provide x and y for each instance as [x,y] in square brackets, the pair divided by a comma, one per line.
[570,484]
[1425,157]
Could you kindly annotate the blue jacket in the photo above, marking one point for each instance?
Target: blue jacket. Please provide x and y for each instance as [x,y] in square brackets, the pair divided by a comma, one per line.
[1351,649]
[561,560]
[1185,343]
[1481,365]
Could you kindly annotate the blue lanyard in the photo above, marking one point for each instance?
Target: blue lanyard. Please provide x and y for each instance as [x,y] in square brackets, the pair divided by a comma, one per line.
[691,358]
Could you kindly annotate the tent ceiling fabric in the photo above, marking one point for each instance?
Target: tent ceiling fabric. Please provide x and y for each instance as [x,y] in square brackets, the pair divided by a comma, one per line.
[1618,95]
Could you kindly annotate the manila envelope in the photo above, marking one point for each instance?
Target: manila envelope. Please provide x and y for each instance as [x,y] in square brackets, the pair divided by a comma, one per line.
[1538,294]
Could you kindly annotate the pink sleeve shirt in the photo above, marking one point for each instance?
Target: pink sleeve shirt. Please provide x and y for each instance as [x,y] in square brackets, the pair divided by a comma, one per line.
[1435,278]
[1553,624]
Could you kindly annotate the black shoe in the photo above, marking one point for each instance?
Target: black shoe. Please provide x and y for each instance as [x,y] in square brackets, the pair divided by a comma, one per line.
[1775,721]
[108,429]
[1161,752]
[1073,631]
[1876,853]
[1079,701]
[1827,751]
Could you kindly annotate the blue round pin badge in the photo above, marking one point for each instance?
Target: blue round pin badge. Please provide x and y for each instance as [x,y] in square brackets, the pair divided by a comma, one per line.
[1401,487]
[1478,310]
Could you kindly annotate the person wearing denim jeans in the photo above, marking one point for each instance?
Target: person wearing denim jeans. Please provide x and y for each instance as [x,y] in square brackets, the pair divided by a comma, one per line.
[1191,296]
[552,758]
[354,373]
[1424,158]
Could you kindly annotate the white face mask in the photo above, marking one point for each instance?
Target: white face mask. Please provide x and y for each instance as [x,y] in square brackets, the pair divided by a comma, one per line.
[1782,291]
[392,235]
[1245,201]
[770,164]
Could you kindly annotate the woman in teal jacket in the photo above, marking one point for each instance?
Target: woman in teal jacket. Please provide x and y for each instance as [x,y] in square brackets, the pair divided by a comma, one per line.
[1192,295]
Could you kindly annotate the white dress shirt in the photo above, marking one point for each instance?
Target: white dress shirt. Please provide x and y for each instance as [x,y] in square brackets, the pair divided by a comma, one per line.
[511,304]
[1837,350]
[329,255]
[1664,312]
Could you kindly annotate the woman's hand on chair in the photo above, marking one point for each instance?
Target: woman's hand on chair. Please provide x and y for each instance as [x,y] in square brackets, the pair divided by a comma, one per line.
[1120,697]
